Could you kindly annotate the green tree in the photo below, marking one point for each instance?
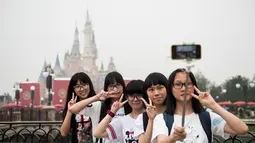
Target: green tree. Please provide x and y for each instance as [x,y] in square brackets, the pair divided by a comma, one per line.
[216,92]
[234,94]
[202,82]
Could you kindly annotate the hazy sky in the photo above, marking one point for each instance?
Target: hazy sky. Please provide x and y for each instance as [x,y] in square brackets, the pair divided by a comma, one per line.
[137,33]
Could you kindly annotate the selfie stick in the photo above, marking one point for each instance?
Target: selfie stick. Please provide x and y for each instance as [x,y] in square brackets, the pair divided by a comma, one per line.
[186,90]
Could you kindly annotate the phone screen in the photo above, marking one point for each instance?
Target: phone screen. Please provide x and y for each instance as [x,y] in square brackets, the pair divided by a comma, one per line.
[186,52]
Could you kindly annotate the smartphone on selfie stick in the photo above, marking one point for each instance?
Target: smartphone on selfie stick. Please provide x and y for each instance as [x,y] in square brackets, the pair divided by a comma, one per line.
[188,53]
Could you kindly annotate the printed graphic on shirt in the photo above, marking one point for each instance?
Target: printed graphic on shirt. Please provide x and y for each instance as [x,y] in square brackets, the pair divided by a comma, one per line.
[84,129]
[192,135]
[130,137]
[217,121]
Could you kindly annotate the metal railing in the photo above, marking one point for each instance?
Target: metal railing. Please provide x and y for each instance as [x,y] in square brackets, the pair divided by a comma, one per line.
[32,132]
[49,132]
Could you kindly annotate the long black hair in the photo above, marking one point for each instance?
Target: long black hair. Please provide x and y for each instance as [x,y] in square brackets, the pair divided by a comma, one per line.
[196,105]
[84,78]
[113,78]
[154,79]
[135,87]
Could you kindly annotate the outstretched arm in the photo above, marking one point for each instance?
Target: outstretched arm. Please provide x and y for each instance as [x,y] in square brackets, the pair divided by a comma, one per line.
[77,107]
[65,128]
[100,130]
[151,112]
[233,124]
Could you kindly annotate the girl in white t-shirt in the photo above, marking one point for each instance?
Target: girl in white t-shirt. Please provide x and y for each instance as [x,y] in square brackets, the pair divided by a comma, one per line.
[114,82]
[155,86]
[223,122]
[123,128]
[80,118]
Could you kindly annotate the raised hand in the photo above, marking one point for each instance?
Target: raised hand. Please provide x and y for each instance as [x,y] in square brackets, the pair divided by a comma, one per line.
[150,109]
[72,101]
[204,98]
[178,134]
[104,95]
[118,104]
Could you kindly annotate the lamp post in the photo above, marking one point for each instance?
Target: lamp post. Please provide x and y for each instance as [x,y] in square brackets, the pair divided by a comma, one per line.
[17,91]
[42,99]
[32,88]
[60,101]
[49,75]
[245,88]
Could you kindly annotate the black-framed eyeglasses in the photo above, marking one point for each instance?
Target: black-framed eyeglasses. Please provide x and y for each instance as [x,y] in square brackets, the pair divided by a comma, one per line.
[117,85]
[79,86]
[133,96]
[179,85]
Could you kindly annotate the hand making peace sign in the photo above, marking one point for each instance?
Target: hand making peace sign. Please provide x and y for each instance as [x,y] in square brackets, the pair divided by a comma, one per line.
[150,109]
[118,104]
[72,101]
[204,98]
[104,95]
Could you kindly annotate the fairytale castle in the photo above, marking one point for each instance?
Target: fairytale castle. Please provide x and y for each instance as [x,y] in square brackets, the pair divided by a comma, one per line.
[75,61]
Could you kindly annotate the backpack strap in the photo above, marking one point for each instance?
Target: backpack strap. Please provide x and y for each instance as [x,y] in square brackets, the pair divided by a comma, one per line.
[145,121]
[205,120]
[169,120]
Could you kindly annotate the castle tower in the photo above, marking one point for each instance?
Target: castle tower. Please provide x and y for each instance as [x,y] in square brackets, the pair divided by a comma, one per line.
[73,60]
[57,69]
[90,51]
[111,65]
[42,82]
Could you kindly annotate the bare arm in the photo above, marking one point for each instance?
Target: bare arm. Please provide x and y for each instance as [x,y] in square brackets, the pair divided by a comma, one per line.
[165,139]
[146,137]
[77,107]
[151,112]
[100,130]
[234,125]
[65,128]
[178,134]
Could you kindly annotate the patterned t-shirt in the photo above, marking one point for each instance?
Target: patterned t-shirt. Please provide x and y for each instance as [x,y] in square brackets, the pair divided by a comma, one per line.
[86,120]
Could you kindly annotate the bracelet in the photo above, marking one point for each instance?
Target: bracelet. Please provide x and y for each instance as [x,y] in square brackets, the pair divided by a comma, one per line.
[109,112]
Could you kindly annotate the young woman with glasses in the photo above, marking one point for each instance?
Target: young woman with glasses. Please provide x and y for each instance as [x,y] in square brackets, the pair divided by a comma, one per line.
[122,129]
[221,122]
[81,112]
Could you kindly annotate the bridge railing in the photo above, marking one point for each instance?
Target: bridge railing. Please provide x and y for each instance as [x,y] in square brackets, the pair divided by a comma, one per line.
[32,132]
[49,132]
[29,114]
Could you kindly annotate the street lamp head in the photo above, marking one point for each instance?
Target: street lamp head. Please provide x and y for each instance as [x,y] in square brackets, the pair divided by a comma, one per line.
[238,85]
[252,84]
[42,98]
[45,74]
[14,88]
[60,101]
[32,88]
[52,75]
[224,91]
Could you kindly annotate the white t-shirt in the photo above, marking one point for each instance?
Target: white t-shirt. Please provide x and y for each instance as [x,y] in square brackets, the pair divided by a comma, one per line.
[122,129]
[86,120]
[120,113]
[139,129]
[193,127]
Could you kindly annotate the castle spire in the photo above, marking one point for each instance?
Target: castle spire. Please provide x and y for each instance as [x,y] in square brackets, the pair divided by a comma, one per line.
[57,63]
[87,17]
[111,65]
[76,44]
[102,66]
